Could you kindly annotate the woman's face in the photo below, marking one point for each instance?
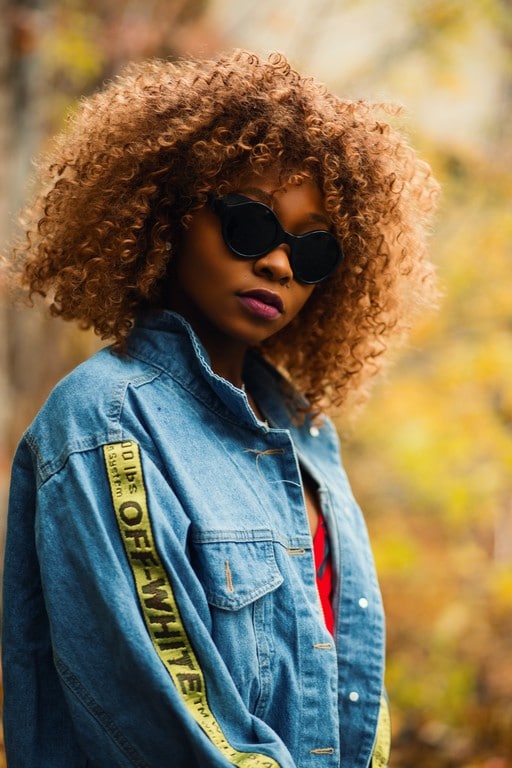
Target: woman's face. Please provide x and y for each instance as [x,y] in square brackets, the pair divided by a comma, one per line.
[227,298]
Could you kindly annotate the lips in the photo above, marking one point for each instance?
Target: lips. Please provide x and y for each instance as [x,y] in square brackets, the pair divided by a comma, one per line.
[265,297]
[264,304]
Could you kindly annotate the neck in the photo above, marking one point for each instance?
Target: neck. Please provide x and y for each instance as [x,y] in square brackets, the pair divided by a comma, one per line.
[226,363]
[227,355]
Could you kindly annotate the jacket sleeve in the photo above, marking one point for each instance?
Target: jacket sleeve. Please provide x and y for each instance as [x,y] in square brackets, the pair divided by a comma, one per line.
[108,654]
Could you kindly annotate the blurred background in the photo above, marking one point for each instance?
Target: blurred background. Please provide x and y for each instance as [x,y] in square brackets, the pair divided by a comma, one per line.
[430,457]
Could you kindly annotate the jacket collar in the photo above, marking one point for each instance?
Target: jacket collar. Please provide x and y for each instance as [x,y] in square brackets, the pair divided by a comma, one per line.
[167,341]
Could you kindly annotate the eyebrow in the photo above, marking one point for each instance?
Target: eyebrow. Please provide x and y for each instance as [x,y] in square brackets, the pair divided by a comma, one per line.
[266,197]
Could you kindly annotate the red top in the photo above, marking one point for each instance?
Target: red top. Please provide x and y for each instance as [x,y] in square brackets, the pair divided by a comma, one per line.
[323,566]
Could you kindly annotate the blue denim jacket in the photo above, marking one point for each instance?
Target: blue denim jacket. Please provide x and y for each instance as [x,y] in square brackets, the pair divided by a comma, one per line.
[160,604]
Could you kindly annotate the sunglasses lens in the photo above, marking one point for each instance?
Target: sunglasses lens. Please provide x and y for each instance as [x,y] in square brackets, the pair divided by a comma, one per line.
[315,257]
[251,230]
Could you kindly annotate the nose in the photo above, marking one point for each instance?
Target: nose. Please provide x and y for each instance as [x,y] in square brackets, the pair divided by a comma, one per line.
[275,265]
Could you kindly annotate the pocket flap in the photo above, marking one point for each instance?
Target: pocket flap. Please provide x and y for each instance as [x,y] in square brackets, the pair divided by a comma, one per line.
[235,570]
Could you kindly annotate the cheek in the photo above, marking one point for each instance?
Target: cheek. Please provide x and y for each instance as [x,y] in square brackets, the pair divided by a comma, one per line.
[303,295]
[202,242]
[200,261]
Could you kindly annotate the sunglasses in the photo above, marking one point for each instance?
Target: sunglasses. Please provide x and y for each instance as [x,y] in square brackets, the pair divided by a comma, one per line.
[251,229]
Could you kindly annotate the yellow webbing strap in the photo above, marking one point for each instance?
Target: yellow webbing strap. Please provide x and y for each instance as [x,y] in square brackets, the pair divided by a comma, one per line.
[382,747]
[158,603]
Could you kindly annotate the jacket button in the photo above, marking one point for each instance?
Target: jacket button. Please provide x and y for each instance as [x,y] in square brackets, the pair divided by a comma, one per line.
[353,696]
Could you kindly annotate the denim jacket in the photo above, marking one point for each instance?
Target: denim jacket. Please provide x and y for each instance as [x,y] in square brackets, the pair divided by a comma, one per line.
[160,603]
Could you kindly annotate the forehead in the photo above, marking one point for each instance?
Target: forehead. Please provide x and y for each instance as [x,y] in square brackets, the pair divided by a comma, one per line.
[274,179]
[278,190]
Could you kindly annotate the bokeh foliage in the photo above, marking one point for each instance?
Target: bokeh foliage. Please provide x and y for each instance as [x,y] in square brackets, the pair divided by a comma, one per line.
[431,462]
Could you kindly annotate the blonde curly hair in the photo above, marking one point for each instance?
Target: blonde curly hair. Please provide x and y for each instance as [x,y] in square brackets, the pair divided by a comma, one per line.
[138,158]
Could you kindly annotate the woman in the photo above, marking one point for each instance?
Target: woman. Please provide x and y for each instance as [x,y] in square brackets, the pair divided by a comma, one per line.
[188,579]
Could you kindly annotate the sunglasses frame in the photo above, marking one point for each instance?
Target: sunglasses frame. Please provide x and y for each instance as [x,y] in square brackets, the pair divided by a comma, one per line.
[224,206]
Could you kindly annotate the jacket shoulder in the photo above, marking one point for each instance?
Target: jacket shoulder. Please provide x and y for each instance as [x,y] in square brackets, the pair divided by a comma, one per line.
[84,409]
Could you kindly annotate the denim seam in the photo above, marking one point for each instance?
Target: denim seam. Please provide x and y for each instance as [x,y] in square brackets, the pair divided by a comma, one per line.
[235,604]
[45,470]
[112,433]
[264,648]
[223,536]
[117,402]
[99,714]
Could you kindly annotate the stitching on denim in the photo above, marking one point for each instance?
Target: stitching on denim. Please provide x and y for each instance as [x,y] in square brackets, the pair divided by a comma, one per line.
[213,536]
[267,452]
[262,612]
[223,413]
[99,714]
[46,469]
[229,578]
[117,402]
[260,454]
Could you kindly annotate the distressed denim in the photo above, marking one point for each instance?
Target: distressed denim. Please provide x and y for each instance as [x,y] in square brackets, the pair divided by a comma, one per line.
[181,626]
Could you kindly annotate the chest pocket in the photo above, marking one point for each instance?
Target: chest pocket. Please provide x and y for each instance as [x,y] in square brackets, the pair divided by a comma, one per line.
[241,578]
[235,567]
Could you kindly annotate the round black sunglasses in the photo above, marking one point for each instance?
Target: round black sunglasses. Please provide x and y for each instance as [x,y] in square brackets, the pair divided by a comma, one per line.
[251,229]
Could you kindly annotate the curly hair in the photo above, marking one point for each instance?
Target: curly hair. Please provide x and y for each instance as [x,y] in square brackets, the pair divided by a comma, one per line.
[139,157]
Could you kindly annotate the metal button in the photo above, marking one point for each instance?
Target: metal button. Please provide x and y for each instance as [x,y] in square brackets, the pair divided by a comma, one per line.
[363,602]
[353,696]
[314,431]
